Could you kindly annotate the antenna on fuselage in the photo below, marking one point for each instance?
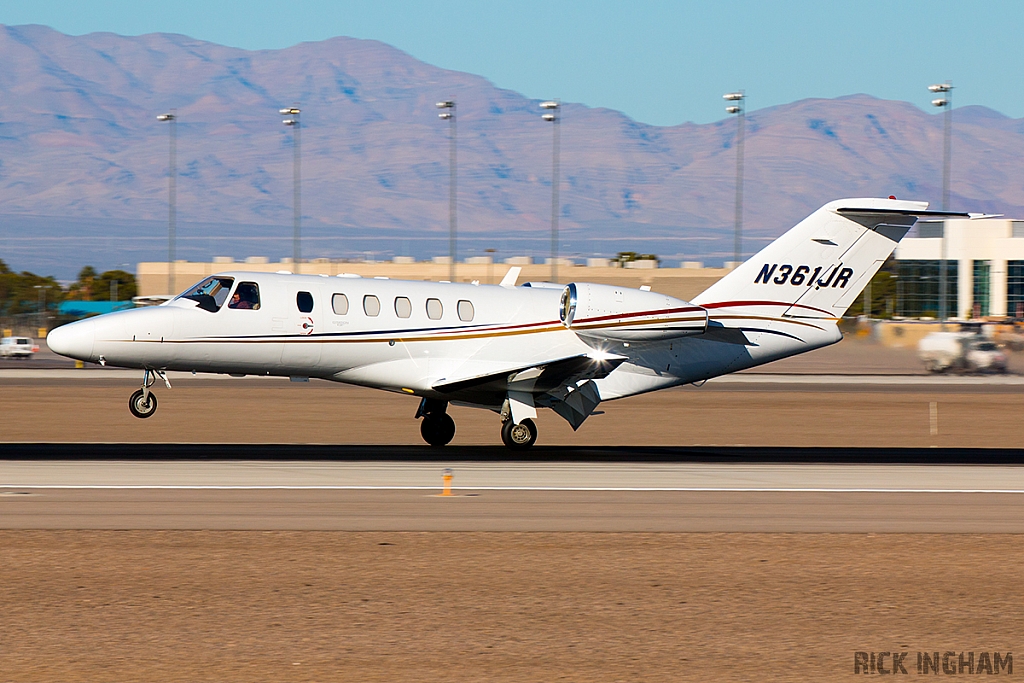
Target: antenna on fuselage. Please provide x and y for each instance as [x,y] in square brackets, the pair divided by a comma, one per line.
[510,277]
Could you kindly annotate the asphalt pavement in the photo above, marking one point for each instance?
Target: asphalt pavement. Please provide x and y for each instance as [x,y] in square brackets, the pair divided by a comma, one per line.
[511,496]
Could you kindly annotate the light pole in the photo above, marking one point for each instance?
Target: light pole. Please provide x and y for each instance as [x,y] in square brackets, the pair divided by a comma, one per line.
[294,123]
[490,265]
[554,115]
[449,115]
[945,101]
[42,304]
[737,98]
[172,195]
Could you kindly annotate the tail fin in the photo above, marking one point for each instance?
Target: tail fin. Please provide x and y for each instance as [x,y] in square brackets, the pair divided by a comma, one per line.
[817,269]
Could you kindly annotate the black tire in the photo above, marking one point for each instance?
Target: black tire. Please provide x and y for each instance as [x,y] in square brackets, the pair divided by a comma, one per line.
[438,430]
[141,408]
[520,436]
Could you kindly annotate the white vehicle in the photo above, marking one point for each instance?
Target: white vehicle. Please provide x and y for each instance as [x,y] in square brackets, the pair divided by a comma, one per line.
[17,347]
[964,351]
[505,348]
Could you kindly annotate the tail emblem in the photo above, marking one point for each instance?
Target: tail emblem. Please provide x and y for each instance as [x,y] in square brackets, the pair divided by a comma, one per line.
[837,276]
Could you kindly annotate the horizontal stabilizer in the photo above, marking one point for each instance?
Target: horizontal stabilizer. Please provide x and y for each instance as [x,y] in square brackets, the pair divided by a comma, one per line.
[847,211]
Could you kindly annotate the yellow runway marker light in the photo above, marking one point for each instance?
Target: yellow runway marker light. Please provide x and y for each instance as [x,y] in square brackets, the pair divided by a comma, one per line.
[446,477]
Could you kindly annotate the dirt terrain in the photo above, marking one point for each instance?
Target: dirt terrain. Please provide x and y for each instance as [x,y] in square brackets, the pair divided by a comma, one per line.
[308,606]
[277,411]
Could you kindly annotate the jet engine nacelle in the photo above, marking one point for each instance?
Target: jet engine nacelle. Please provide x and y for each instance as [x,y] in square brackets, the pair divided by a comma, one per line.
[634,315]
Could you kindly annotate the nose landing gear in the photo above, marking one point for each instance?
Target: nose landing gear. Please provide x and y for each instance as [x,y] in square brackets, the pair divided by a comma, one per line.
[142,403]
[438,427]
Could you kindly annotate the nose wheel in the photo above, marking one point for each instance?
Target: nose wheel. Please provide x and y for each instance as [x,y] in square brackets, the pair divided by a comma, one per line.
[142,403]
[520,436]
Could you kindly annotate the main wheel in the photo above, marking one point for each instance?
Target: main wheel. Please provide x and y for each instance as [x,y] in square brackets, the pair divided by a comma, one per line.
[438,430]
[519,436]
[139,406]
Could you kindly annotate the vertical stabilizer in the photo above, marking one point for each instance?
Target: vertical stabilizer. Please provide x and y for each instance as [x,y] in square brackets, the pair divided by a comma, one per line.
[817,268]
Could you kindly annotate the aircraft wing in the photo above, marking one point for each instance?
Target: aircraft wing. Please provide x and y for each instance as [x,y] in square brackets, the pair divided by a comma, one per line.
[539,379]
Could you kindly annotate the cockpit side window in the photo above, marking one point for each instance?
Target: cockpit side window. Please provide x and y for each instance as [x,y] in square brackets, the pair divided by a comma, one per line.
[247,296]
[211,293]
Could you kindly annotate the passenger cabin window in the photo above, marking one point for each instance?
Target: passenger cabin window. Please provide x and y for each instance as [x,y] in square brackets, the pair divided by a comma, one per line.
[304,300]
[465,310]
[371,305]
[339,302]
[403,307]
[434,309]
[211,293]
[247,296]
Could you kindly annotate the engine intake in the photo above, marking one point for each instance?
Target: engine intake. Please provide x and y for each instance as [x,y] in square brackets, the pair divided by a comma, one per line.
[618,313]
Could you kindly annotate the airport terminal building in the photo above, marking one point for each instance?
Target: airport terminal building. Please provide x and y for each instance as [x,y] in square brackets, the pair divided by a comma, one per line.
[984,262]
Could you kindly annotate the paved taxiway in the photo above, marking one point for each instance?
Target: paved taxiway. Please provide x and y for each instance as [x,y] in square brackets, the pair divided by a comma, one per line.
[392,496]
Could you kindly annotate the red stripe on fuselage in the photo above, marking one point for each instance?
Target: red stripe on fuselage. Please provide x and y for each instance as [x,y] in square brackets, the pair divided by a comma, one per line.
[729,304]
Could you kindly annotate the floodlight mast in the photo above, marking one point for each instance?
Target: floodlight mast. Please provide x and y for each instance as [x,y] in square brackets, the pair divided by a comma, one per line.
[738,97]
[449,115]
[294,122]
[946,102]
[172,196]
[554,115]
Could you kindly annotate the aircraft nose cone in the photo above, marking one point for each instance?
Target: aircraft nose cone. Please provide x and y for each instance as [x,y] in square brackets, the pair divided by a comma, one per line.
[74,340]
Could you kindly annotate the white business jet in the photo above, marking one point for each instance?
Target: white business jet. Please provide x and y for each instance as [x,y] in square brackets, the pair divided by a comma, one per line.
[507,348]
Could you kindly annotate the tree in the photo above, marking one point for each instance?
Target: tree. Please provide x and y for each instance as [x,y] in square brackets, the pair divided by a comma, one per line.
[82,290]
[883,293]
[19,292]
[102,289]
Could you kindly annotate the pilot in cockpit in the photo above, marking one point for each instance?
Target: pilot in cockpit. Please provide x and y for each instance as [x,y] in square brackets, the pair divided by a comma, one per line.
[246,296]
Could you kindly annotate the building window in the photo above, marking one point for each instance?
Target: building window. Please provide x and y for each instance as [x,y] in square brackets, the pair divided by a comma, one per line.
[403,307]
[434,309]
[465,311]
[982,269]
[1015,289]
[371,305]
[304,300]
[339,302]
[917,289]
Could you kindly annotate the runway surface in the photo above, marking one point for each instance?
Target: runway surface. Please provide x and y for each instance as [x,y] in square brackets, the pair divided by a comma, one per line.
[511,496]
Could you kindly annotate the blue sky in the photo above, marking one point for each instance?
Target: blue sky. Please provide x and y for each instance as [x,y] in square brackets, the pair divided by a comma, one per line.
[660,62]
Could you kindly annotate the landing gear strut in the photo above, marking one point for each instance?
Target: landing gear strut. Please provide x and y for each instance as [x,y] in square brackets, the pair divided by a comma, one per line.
[142,403]
[438,427]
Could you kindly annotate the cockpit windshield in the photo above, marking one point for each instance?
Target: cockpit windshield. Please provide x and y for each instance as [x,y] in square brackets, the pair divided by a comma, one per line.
[211,293]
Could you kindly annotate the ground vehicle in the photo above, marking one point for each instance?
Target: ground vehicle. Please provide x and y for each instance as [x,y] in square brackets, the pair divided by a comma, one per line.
[17,347]
[963,351]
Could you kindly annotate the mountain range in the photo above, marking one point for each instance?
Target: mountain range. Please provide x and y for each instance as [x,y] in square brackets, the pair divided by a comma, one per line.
[84,161]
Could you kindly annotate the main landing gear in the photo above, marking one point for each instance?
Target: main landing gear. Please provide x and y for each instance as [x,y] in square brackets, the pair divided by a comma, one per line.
[142,403]
[519,436]
[438,427]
